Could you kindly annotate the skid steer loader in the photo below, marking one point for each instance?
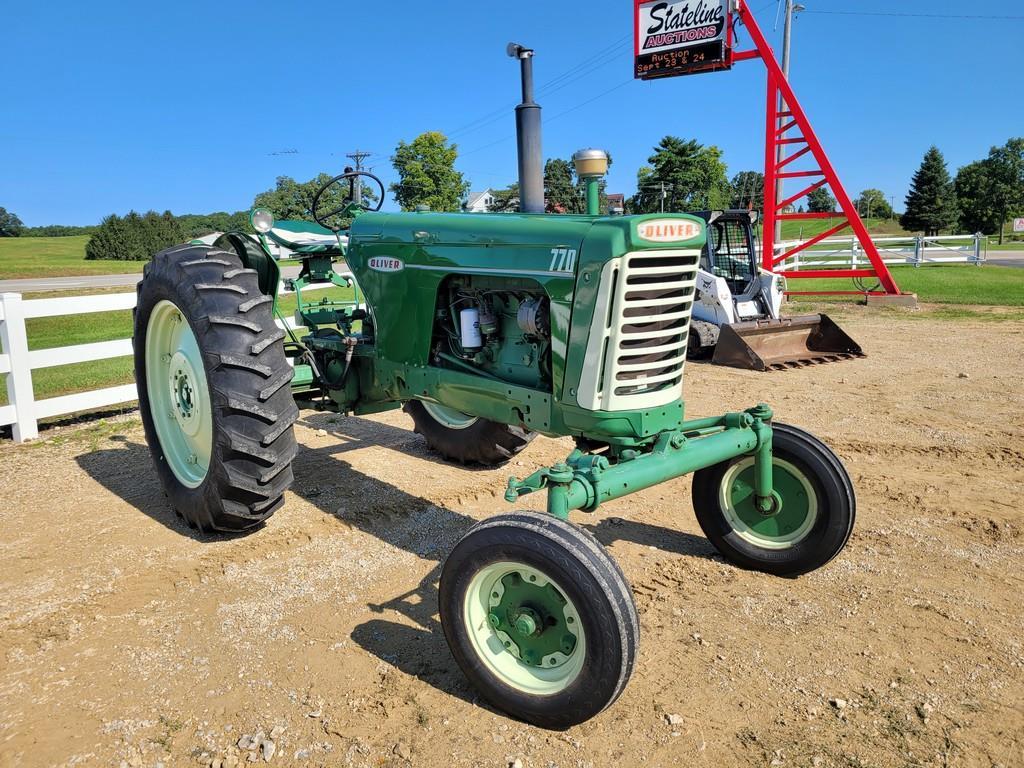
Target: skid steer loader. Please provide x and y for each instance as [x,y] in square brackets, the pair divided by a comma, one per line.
[737,319]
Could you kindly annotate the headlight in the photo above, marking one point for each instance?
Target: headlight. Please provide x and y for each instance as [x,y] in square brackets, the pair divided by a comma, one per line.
[262,220]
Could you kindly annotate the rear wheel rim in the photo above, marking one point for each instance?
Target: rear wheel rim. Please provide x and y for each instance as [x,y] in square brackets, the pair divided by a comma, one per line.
[449,417]
[524,628]
[789,525]
[179,396]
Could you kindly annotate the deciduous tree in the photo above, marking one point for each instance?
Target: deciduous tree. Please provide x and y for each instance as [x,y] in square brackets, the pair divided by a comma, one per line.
[1006,178]
[293,200]
[821,201]
[748,190]
[872,204]
[10,224]
[427,175]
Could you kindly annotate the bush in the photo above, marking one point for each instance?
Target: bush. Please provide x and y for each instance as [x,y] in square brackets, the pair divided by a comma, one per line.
[134,237]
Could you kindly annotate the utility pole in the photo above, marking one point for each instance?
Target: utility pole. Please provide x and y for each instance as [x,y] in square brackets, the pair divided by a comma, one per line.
[787,32]
[357,191]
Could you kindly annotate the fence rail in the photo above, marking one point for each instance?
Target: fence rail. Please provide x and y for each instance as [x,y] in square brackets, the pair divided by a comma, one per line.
[17,361]
[846,252]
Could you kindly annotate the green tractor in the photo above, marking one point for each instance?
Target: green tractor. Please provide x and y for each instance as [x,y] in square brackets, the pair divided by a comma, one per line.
[489,329]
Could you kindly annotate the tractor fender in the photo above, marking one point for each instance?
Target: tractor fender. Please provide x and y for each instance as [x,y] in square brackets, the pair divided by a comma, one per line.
[253,256]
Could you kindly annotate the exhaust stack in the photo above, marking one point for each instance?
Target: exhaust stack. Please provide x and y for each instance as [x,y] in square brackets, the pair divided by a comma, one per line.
[531,170]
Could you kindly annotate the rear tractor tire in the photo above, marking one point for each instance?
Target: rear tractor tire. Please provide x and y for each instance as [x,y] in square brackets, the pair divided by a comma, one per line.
[814,519]
[539,617]
[213,388]
[466,439]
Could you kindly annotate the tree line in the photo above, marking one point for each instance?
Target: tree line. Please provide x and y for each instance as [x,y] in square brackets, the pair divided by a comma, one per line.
[680,175]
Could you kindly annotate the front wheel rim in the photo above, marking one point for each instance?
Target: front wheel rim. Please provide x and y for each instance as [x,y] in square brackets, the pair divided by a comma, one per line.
[449,417]
[524,628]
[785,529]
[179,396]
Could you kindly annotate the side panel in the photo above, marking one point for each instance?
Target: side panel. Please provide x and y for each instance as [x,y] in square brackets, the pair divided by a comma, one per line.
[399,261]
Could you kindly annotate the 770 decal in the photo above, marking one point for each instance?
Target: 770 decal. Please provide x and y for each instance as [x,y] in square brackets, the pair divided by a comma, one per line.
[563,259]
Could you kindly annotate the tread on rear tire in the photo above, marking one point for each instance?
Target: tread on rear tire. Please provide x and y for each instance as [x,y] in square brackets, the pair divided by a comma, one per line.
[483,442]
[242,359]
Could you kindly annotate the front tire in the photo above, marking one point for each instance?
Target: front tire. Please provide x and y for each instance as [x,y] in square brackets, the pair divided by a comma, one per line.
[466,439]
[539,618]
[811,527]
[213,388]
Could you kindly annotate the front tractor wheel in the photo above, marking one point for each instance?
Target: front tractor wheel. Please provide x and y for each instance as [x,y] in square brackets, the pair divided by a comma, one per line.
[811,523]
[539,618]
[213,388]
[466,439]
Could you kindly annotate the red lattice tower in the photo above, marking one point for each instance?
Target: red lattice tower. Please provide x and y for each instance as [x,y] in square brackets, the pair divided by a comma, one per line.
[787,128]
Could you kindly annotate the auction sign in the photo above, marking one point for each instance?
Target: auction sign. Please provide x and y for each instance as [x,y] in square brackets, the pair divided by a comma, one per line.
[680,37]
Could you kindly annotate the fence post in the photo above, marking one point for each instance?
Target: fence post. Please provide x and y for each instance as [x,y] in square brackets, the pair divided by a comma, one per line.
[918,251]
[977,249]
[14,339]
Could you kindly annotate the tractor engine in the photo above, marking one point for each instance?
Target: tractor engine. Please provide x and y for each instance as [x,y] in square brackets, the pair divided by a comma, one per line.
[500,327]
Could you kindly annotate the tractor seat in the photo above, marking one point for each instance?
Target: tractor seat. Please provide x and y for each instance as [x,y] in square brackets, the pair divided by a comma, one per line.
[305,239]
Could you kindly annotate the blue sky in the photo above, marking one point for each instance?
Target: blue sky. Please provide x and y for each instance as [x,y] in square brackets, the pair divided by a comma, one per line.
[110,106]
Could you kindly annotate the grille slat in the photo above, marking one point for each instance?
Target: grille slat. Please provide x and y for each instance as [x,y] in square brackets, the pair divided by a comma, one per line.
[645,302]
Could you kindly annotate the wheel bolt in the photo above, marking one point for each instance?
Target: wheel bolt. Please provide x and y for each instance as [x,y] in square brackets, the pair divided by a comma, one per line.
[493,619]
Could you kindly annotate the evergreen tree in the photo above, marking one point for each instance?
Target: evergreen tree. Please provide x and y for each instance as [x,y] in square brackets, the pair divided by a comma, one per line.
[931,201]
[134,237]
[682,176]
[505,200]
[560,192]
[427,175]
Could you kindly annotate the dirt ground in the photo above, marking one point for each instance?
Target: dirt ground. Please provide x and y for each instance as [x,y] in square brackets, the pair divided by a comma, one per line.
[126,639]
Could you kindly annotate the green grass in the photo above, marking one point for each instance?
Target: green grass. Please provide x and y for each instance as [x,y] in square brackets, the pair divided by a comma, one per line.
[808,228]
[943,284]
[993,245]
[26,257]
[50,332]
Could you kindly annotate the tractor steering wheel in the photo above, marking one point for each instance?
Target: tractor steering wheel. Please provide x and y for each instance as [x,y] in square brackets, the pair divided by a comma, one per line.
[350,207]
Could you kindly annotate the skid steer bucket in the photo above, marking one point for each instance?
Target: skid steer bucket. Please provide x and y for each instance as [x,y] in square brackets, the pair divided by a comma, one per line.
[791,342]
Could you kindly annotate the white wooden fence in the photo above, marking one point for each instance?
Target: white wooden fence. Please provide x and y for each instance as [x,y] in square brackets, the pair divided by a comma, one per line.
[17,361]
[847,253]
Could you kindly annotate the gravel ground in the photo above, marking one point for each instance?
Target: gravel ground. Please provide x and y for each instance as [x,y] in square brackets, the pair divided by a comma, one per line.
[129,640]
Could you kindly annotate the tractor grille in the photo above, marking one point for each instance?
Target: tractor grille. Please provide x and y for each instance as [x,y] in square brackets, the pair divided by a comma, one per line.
[638,335]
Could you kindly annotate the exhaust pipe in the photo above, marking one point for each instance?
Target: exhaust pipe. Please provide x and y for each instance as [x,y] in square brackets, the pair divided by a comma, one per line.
[531,170]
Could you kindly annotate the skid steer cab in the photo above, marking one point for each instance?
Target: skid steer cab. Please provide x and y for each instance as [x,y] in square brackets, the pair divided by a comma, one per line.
[489,329]
[737,318]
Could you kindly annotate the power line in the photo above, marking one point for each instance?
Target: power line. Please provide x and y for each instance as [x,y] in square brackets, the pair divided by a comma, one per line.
[919,15]
[574,73]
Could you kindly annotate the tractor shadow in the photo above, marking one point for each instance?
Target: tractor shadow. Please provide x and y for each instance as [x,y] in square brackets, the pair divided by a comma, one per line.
[325,480]
[127,472]
[329,483]
[671,540]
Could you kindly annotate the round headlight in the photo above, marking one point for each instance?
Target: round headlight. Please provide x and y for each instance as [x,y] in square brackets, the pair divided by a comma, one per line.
[262,220]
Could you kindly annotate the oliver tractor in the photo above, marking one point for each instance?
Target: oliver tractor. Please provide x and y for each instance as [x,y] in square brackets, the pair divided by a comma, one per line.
[489,329]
